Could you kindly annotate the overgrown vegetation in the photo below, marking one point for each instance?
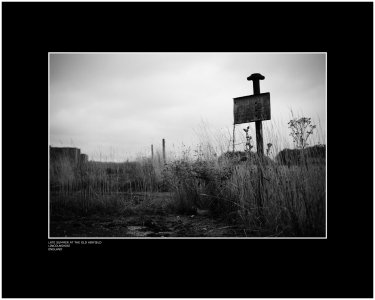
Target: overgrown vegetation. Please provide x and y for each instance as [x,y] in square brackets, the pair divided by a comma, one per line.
[100,186]
[281,197]
[271,198]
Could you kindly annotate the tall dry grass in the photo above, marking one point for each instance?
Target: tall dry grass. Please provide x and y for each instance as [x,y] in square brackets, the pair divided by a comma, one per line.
[96,186]
[269,197]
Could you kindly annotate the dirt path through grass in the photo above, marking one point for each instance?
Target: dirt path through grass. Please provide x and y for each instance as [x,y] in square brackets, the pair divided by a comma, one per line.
[144,216]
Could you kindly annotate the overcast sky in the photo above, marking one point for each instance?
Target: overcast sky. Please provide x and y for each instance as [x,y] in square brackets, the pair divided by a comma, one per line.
[114,106]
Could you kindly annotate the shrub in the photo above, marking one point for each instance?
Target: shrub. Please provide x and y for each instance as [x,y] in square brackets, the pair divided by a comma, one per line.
[196,184]
[309,155]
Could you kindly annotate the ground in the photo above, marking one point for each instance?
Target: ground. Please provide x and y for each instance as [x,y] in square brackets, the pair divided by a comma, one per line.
[147,216]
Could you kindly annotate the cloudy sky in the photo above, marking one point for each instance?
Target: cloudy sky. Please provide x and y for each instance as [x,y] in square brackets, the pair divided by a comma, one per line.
[114,106]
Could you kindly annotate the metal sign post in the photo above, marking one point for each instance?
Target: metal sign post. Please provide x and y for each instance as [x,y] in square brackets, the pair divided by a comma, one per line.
[255,108]
[258,124]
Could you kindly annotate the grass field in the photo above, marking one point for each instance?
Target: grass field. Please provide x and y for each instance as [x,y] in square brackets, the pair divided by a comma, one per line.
[212,196]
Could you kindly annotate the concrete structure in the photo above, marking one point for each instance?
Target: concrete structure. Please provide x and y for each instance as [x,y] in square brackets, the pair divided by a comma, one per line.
[72,154]
[84,158]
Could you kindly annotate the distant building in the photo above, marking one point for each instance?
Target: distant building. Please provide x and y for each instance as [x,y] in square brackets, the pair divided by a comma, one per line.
[72,154]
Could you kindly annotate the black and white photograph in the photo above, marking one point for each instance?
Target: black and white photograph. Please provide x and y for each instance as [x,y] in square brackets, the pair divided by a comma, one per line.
[196,149]
[187,145]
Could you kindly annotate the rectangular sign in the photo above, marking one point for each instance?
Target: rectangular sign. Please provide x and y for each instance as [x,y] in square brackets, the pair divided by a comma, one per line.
[252,108]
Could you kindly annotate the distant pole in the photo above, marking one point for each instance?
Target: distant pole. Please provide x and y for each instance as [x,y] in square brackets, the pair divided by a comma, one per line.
[152,152]
[258,124]
[234,132]
[164,151]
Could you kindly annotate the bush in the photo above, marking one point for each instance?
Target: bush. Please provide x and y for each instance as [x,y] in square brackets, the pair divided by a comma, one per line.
[196,184]
[309,155]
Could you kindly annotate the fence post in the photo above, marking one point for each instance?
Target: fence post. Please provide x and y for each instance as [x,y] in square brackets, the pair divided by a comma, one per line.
[164,161]
[234,134]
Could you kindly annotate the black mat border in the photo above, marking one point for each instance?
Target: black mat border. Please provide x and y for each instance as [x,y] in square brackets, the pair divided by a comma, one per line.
[341,266]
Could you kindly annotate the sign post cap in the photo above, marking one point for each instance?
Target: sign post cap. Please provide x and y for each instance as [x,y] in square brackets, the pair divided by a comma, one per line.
[255,76]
